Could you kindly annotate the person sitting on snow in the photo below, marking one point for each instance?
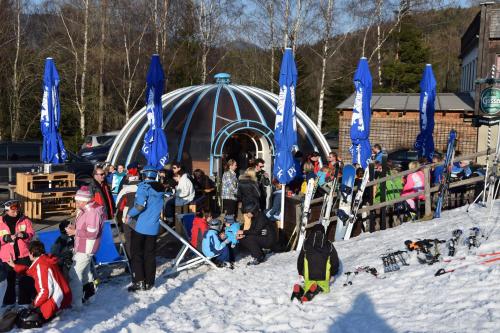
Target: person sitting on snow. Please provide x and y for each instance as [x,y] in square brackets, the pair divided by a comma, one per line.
[63,249]
[53,292]
[317,263]
[214,244]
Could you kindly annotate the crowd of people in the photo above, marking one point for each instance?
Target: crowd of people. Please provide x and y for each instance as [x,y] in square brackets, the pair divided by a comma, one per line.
[138,198]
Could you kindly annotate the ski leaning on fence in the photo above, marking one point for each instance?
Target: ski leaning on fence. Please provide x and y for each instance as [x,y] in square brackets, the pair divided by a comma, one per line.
[445,176]
[311,188]
[357,203]
[325,214]
[344,211]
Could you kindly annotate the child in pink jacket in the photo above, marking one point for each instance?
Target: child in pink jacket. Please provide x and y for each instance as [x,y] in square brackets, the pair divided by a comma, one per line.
[413,183]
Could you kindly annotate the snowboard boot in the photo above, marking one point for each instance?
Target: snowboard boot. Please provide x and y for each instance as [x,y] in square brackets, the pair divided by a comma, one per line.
[311,293]
[88,291]
[137,286]
[297,293]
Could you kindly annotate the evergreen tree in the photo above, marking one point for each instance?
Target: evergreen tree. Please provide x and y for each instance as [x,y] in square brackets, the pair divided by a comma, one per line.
[403,71]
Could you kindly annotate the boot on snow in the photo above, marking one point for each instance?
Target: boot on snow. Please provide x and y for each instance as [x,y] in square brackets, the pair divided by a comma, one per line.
[311,293]
[297,293]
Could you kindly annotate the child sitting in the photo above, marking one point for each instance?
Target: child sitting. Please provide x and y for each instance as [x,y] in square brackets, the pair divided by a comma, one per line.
[200,227]
[317,263]
[53,292]
[63,249]
[215,243]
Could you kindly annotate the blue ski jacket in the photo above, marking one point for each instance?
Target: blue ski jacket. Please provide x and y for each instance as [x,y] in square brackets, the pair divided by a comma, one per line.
[212,244]
[147,208]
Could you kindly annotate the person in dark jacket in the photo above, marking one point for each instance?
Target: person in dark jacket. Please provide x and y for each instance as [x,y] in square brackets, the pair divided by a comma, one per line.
[144,220]
[248,189]
[63,249]
[260,235]
[318,262]
[263,182]
[101,193]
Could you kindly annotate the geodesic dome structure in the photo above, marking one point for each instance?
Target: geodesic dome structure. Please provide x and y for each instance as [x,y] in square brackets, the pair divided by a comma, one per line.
[207,124]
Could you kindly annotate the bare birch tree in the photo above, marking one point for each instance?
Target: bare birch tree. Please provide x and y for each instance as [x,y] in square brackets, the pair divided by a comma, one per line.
[80,64]
[100,115]
[16,100]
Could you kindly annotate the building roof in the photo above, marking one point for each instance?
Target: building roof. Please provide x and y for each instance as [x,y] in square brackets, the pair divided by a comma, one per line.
[410,102]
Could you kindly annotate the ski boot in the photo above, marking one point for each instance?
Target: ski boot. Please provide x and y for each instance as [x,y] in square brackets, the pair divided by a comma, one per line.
[297,293]
[311,293]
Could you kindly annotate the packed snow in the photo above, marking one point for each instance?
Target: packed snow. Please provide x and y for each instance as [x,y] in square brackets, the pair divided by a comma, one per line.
[257,298]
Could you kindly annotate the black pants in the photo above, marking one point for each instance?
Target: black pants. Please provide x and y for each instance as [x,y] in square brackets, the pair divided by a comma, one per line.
[26,285]
[127,233]
[230,206]
[255,243]
[143,251]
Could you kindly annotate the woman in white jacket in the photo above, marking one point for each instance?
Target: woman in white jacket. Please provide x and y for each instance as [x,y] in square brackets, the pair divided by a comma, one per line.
[184,191]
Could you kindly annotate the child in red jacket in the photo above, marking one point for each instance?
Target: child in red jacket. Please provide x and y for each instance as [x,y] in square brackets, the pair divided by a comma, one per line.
[200,227]
[53,291]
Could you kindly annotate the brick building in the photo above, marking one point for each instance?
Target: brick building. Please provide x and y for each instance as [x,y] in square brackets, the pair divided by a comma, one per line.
[395,121]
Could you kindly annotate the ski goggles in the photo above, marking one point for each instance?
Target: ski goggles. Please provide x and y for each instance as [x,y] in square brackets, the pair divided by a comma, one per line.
[12,205]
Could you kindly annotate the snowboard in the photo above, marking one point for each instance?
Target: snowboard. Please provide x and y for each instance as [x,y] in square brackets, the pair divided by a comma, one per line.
[345,194]
[328,199]
[445,176]
[358,199]
[311,187]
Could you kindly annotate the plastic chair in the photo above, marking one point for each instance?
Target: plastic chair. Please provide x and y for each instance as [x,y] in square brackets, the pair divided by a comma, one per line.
[107,253]
[48,238]
[180,262]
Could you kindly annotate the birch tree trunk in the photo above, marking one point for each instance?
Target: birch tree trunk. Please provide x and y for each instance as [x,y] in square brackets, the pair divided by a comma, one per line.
[285,21]
[16,102]
[296,27]
[328,23]
[84,69]
[379,41]
[270,11]
[100,118]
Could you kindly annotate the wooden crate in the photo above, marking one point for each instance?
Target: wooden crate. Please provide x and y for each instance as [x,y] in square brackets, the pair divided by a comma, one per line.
[34,192]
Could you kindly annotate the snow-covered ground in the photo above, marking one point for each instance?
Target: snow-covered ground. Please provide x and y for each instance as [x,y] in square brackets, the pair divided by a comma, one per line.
[257,298]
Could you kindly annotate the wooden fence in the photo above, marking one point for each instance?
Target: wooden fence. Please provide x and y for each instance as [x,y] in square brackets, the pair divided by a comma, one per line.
[460,192]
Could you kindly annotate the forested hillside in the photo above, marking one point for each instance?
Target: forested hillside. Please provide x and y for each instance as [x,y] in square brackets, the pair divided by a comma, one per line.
[102,50]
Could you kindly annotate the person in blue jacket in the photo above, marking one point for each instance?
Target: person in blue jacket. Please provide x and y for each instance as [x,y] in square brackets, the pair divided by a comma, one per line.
[143,219]
[274,213]
[214,244]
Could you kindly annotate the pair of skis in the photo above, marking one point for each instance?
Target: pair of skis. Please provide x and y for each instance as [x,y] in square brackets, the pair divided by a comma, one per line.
[312,184]
[348,209]
[446,174]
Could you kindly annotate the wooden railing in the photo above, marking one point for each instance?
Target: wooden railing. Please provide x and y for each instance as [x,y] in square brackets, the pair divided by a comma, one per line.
[427,191]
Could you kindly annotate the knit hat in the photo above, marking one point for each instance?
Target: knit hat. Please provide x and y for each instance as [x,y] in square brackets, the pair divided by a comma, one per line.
[83,194]
[229,219]
[132,169]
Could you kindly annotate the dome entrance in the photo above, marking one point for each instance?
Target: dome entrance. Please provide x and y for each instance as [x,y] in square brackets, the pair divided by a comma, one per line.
[242,140]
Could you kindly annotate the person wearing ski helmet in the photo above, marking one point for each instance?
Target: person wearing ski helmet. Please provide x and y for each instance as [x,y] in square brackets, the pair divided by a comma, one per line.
[145,216]
[317,263]
[260,235]
[214,244]
[16,233]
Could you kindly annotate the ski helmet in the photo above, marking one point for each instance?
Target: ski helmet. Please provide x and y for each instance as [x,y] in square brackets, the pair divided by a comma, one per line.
[214,224]
[29,318]
[149,171]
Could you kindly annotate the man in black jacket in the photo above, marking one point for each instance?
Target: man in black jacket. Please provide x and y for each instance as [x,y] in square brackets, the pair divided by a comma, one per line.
[260,234]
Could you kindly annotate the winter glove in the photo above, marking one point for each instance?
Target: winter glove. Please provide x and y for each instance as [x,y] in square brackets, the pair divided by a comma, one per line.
[22,235]
[8,239]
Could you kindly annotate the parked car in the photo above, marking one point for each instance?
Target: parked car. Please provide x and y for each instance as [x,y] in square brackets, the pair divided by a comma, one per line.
[97,154]
[26,156]
[402,157]
[332,137]
[95,140]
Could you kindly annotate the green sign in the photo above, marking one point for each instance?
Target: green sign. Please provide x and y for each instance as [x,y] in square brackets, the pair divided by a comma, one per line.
[490,101]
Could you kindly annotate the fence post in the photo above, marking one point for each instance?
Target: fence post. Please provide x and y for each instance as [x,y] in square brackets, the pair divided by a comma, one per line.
[427,191]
